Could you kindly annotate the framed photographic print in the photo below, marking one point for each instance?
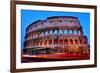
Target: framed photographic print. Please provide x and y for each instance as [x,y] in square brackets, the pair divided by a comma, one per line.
[52,36]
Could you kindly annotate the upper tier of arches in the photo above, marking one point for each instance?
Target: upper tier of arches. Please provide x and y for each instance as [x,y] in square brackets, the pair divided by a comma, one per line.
[55,21]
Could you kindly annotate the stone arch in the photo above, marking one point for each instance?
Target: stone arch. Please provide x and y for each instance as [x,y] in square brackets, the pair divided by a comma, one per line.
[46,33]
[70,31]
[71,41]
[50,42]
[66,41]
[50,32]
[55,31]
[60,31]
[61,41]
[42,33]
[80,41]
[65,31]
[45,42]
[74,32]
[41,42]
[79,32]
[76,41]
[37,43]
[84,42]
[56,41]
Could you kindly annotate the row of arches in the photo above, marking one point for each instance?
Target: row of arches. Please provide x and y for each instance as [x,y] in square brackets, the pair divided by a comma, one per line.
[53,32]
[67,50]
[62,31]
[53,23]
[55,41]
[60,42]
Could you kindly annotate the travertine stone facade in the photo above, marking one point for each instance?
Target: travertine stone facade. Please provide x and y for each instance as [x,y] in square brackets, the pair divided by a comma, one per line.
[56,34]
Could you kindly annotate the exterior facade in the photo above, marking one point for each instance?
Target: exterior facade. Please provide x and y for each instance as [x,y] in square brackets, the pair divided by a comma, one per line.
[56,35]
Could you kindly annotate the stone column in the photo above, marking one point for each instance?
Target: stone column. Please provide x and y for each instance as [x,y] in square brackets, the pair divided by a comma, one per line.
[40,34]
[52,41]
[44,33]
[36,35]
[48,33]
[68,31]
[72,32]
[39,42]
[43,38]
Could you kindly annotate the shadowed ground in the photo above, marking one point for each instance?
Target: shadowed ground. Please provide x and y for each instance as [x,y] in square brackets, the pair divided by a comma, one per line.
[54,57]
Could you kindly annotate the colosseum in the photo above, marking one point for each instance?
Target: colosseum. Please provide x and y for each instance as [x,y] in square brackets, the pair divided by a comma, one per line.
[56,35]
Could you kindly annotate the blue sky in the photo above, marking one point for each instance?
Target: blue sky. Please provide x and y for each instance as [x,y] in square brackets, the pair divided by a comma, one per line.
[29,16]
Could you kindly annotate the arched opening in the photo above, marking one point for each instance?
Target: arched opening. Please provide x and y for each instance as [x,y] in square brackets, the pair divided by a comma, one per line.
[61,41]
[75,32]
[40,42]
[70,31]
[50,41]
[71,41]
[65,32]
[36,43]
[80,41]
[60,32]
[66,42]
[45,43]
[55,32]
[76,41]
[42,33]
[85,42]
[79,32]
[33,43]
[46,33]
[55,41]
[50,32]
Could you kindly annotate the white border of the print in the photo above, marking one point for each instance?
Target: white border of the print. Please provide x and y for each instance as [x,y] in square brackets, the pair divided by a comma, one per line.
[20,65]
